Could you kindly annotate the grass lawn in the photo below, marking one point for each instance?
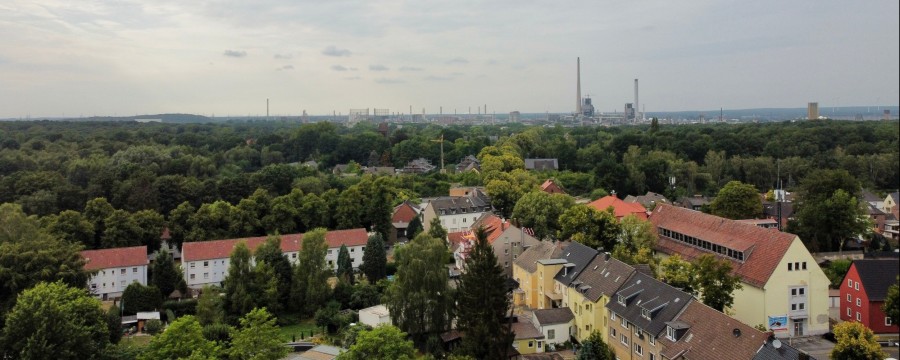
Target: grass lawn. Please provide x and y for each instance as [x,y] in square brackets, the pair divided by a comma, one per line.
[139,341]
[306,326]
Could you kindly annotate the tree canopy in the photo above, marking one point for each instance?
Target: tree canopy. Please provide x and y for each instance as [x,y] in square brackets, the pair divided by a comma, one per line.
[855,341]
[736,201]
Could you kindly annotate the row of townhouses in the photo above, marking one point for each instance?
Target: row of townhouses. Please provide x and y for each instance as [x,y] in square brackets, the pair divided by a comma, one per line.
[202,262]
[642,318]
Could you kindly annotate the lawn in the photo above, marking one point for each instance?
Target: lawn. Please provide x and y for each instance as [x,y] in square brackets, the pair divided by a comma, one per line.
[137,340]
[307,327]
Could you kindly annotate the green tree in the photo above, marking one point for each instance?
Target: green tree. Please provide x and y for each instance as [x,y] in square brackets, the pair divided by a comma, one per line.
[96,211]
[677,273]
[374,264]
[855,341]
[365,294]
[150,224]
[344,265]
[331,318]
[310,287]
[183,339]
[153,326]
[265,287]
[28,256]
[436,230]
[715,282]
[637,240]
[827,210]
[737,200]
[72,226]
[584,224]
[240,282]
[483,303]
[121,230]
[414,227]
[257,338]
[541,212]
[836,271]
[165,274]
[419,299]
[594,348]
[179,222]
[137,297]
[210,307]
[891,306]
[114,324]
[55,321]
[382,342]
[270,253]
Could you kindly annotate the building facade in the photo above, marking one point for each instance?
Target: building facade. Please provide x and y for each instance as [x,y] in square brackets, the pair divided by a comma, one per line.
[780,278]
[115,269]
[206,262]
[863,291]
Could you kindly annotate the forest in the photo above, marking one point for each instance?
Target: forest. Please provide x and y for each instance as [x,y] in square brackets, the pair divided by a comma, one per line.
[99,182]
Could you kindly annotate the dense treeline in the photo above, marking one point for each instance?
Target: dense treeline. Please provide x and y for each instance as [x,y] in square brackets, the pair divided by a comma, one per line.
[248,175]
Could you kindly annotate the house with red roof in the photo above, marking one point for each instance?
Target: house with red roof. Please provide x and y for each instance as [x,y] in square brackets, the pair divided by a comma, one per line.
[115,269]
[403,215]
[507,240]
[780,278]
[863,290]
[620,208]
[206,262]
[551,187]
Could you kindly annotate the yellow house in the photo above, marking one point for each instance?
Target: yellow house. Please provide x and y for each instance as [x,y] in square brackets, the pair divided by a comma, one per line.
[528,339]
[781,280]
[591,291]
[531,279]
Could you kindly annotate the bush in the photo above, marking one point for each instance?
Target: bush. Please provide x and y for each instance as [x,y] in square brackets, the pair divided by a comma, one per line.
[217,332]
[153,326]
[138,297]
[181,307]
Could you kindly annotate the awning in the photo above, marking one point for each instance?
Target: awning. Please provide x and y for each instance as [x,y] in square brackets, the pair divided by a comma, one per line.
[554,296]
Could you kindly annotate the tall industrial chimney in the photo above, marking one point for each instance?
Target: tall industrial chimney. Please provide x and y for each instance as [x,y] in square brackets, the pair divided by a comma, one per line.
[637,105]
[578,91]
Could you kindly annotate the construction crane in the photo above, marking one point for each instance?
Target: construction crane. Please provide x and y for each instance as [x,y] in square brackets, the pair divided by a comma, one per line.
[441,140]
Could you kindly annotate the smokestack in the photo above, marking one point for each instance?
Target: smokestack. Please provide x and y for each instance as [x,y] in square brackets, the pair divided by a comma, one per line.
[578,90]
[267,109]
[637,105]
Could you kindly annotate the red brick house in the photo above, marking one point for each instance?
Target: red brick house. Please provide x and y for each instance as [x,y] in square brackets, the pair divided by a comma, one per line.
[863,291]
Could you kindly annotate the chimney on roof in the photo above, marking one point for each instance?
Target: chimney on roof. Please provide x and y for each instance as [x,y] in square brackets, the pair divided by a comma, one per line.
[605,256]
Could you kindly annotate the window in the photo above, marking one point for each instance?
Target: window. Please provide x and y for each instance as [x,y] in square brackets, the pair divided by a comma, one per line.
[652,340]
[122,271]
[850,283]
[294,255]
[803,265]
[620,299]
[134,269]
[638,349]
[192,276]
[551,334]
[330,251]
[790,266]
[464,219]
[858,302]
[94,286]
[612,332]
[848,312]
[506,264]
[624,339]
[670,333]
[624,323]
[206,264]
[104,285]
[123,283]
[206,275]
[612,316]
[353,249]
[887,321]
[849,299]
[530,343]
[645,313]
[652,357]
[856,286]
[858,317]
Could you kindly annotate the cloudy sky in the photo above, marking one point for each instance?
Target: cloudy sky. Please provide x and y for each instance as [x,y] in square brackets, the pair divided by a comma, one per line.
[225,57]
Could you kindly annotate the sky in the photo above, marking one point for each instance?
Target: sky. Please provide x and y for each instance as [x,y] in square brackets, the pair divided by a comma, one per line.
[226,57]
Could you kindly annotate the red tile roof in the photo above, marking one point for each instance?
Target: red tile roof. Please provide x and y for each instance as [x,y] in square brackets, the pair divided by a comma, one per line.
[113,258]
[220,249]
[620,208]
[404,213]
[763,248]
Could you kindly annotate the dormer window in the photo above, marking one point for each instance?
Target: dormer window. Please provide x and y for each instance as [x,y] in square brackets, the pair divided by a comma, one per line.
[670,333]
[620,299]
[645,313]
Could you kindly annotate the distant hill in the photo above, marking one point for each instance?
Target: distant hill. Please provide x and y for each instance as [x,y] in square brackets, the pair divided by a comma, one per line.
[166,118]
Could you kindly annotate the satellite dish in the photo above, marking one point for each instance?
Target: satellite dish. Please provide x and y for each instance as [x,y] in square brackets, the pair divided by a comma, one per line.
[776,344]
[736,332]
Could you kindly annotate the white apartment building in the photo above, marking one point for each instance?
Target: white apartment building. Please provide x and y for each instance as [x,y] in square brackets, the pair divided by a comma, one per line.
[115,270]
[206,262]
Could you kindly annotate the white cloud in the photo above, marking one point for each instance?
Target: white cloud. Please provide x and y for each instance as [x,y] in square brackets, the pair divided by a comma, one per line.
[334,51]
[235,53]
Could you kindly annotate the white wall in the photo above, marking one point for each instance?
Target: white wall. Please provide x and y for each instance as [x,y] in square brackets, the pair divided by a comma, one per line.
[111,282]
[561,333]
